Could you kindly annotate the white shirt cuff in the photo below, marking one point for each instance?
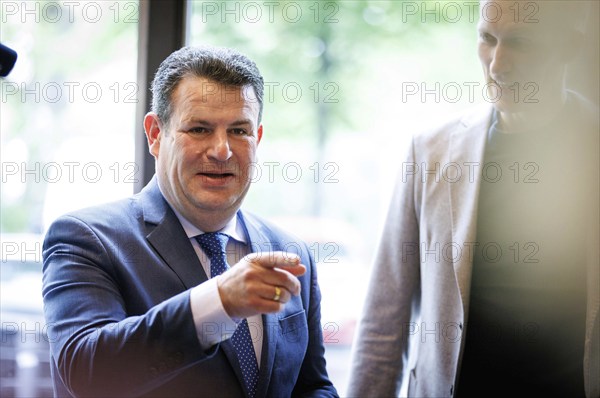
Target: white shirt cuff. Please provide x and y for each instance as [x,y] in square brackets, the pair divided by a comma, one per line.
[213,325]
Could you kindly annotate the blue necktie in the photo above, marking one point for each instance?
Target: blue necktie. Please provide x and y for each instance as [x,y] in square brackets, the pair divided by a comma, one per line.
[214,244]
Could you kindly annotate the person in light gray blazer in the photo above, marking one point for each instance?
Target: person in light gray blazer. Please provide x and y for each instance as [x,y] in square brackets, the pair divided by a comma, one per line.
[486,280]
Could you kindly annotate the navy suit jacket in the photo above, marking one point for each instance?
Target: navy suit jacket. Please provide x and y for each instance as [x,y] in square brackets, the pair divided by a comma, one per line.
[117,281]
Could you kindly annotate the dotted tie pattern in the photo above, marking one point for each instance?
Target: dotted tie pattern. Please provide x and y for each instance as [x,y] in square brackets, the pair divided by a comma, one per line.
[214,244]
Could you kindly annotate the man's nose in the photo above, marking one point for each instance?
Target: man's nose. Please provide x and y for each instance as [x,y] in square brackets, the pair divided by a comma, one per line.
[219,146]
[501,64]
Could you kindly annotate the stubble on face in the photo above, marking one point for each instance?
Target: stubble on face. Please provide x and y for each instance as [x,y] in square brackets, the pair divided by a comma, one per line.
[208,151]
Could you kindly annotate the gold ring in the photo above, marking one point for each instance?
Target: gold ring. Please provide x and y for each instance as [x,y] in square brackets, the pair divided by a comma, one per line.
[277,295]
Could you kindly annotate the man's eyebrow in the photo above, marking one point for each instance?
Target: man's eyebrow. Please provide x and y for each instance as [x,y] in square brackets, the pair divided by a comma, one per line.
[199,121]
[516,30]
[241,122]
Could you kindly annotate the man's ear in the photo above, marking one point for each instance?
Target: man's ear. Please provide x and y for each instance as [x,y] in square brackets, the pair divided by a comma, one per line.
[259,133]
[152,127]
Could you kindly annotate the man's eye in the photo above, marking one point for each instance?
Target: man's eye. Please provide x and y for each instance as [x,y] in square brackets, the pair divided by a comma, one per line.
[487,38]
[239,131]
[198,130]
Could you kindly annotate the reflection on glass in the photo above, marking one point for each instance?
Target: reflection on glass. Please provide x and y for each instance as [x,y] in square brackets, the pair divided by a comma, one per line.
[67,121]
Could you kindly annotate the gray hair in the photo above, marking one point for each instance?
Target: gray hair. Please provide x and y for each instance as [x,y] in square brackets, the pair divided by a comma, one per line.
[222,65]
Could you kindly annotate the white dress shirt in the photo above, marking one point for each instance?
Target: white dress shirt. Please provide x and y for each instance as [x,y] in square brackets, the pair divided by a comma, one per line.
[213,324]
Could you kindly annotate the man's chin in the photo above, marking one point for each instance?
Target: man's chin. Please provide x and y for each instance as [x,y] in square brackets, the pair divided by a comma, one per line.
[214,204]
[218,200]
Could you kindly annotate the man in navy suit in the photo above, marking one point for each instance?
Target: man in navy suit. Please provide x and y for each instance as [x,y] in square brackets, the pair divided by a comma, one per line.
[131,305]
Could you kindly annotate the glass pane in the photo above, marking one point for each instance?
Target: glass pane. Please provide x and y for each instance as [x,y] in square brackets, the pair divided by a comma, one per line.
[347,83]
[67,122]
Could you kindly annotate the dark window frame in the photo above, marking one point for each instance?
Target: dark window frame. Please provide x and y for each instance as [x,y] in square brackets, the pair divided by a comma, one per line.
[162,30]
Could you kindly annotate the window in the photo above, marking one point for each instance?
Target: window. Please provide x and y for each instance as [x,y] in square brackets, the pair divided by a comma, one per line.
[346,84]
[67,122]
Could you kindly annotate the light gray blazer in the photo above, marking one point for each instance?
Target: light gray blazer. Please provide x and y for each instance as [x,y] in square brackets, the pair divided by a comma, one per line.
[417,306]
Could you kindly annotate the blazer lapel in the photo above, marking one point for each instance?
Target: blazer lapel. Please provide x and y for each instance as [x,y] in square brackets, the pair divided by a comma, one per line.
[270,332]
[466,148]
[170,241]
[231,355]
[257,241]
[168,237]
[260,241]
[591,360]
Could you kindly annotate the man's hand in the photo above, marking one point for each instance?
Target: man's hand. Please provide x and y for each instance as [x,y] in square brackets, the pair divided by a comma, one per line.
[250,287]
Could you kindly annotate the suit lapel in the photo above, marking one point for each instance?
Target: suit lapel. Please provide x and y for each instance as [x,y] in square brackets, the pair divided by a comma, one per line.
[168,238]
[260,241]
[254,239]
[231,355]
[270,333]
[466,148]
[592,333]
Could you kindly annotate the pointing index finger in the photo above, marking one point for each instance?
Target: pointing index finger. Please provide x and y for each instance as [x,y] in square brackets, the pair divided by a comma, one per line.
[277,259]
